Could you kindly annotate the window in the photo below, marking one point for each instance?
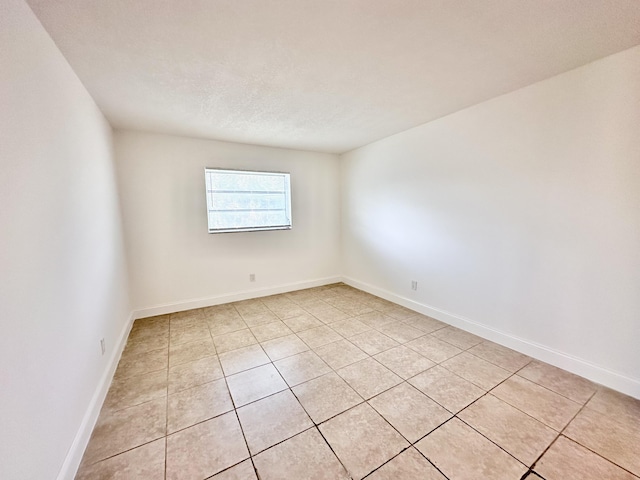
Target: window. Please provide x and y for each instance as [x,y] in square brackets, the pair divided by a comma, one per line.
[242,201]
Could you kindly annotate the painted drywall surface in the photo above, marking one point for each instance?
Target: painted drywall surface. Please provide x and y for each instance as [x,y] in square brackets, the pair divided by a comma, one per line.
[174,259]
[521,213]
[63,280]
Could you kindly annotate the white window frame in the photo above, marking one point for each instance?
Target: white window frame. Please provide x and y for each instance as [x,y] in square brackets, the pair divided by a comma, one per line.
[249,228]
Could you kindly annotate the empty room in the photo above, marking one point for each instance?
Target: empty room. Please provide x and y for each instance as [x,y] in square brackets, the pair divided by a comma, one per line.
[320,239]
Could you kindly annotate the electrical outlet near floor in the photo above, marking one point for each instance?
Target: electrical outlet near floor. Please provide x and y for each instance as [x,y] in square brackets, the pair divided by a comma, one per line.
[414,285]
[102,346]
[252,277]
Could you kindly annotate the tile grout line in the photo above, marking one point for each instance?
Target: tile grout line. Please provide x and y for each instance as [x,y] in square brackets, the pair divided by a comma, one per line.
[365,401]
[166,415]
[317,425]
[561,434]
[455,415]
[342,298]
[235,410]
[527,467]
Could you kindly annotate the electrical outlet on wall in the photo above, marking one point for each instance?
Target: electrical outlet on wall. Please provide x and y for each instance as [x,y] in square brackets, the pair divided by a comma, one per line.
[414,285]
[102,346]
[252,277]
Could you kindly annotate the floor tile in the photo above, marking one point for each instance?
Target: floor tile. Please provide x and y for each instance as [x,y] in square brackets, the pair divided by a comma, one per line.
[457,337]
[362,440]
[193,314]
[147,336]
[189,352]
[243,359]
[544,405]
[191,374]
[352,308]
[410,412]
[187,329]
[185,317]
[617,442]
[272,420]
[503,357]
[284,347]
[340,354]
[373,342]
[197,404]
[301,367]
[409,465]
[150,326]
[252,305]
[404,362]
[415,387]
[519,434]
[234,340]
[142,363]
[221,324]
[270,331]
[328,314]
[253,319]
[301,322]
[449,390]
[316,337]
[375,319]
[433,348]
[130,391]
[399,313]
[350,327]
[242,471]
[214,310]
[146,344]
[460,452]
[479,372]
[326,396]
[560,381]
[616,405]
[424,323]
[191,333]
[378,303]
[302,296]
[303,457]
[401,332]
[368,377]
[254,384]
[566,459]
[125,429]
[531,475]
[205,449]
[142,463]
[305,302]
[316,305]
[286,310]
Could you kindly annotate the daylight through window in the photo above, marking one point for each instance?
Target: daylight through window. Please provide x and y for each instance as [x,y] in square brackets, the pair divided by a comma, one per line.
[242,201]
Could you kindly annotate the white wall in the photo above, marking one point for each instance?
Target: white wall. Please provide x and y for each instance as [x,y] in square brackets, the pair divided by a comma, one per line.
[175,264]
[63,282]
[518,217]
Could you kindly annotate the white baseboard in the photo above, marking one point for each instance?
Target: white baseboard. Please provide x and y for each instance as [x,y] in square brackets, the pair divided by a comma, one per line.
[579,366]
[584,368]
[74,456]
[81,440]
[231,297]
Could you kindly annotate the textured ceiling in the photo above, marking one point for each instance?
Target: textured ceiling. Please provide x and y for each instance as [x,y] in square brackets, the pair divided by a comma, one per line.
[327,75]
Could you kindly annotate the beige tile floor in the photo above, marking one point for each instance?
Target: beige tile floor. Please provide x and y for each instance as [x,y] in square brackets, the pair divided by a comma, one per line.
[333,383]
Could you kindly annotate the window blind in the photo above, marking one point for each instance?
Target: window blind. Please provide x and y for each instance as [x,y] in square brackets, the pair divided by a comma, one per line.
[239,200]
